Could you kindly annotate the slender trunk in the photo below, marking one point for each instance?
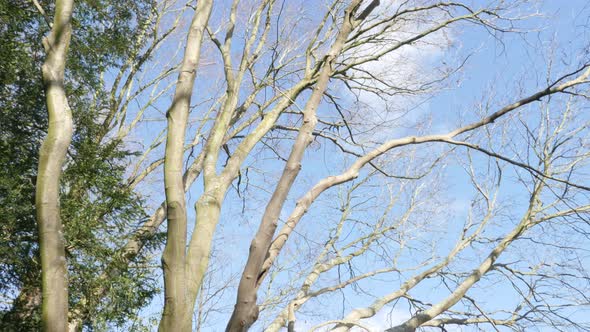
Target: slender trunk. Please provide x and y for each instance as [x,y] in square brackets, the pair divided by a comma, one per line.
[51,158]
[246,310]
[208,209]
[175,317]
[291,323]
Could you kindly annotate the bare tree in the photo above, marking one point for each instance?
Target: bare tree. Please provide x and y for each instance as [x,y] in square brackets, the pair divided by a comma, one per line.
[541,209]
[246,311]
[360,44]
[353,318]
[274,84]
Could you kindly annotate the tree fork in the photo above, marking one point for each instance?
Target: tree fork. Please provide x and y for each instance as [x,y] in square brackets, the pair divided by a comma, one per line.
[176,317]
[246,310]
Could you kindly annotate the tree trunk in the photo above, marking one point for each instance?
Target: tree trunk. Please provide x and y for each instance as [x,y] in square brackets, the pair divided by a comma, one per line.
[51,158]
[176,317]
[246,310]
[208,209]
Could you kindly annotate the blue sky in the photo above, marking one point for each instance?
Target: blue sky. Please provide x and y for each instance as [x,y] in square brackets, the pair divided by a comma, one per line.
[497,70]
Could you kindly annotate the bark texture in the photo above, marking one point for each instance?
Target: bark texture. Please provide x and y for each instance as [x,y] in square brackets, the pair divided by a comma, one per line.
[51,158]
[176,317]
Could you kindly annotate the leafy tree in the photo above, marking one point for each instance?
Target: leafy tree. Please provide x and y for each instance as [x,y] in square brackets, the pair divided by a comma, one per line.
[97,208]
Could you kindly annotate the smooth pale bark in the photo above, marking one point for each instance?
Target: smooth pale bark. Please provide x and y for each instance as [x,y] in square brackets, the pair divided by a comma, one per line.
[51,158]
[291,324]
[175,316]
[148,229]
[208,210]
[246,310]
[208,207]
[134,245]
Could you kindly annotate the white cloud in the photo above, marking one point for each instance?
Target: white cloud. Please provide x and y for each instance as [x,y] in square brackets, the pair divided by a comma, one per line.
[384,116]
